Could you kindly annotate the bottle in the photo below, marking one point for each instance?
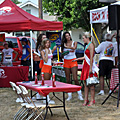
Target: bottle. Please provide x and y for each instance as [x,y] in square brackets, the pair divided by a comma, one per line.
[53,80]
[42,76]
[36,82]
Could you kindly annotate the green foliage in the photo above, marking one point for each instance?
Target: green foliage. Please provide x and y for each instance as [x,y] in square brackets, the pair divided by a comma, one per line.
[16,1]
[73,13]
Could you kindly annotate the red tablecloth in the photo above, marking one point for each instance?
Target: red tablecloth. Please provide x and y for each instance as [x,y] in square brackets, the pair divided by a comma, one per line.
[114,78]
[14,74]
[45,90]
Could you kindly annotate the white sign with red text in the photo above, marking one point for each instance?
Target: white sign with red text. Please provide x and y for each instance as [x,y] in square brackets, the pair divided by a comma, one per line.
[99,15]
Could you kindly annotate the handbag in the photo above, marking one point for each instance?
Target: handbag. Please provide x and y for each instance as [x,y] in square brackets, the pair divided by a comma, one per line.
[92,81]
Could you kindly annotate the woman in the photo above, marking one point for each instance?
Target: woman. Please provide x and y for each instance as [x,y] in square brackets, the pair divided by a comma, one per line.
[88,67]
[47,55]
[25,53]
[69,66]
[41,62]
[38,48]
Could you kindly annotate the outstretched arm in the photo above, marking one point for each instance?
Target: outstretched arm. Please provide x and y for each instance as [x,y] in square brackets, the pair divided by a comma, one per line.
[81,58]
[54,49]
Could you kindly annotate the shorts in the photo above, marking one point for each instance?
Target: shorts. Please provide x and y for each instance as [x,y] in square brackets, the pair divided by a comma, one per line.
[25,63]
[105,67]
[41,63]
[47,69]
[69,63]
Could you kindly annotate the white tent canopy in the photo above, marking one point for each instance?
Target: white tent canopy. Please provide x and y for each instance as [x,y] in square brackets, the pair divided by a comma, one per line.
[100,15]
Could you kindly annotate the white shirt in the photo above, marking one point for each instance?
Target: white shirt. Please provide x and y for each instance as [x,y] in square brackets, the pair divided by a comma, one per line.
[107,50]
[7,58]
[49,62]
[71,55]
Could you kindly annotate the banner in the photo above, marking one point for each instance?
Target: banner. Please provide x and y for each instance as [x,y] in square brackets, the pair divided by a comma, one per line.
[99,15]
[54,37]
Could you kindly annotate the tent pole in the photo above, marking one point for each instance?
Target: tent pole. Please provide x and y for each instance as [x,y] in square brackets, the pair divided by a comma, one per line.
[91,31]
[31,54]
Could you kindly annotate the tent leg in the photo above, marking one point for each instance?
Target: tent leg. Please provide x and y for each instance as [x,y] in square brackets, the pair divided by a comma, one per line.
[31,54]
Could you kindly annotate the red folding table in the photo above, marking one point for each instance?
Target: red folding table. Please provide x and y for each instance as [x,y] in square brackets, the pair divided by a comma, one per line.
[47,88]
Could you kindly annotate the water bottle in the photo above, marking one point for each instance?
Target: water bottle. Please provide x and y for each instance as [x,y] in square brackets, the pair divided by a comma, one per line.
[42,76]
[53,80]
[36,82]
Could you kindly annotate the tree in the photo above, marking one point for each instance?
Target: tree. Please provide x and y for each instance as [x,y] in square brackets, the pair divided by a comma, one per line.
[73,13]
[16,1]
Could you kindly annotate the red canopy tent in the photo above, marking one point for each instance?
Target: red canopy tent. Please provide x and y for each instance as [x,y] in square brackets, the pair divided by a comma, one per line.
[13,18]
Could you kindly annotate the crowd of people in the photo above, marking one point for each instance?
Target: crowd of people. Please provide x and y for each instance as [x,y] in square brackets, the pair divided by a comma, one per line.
[107,50]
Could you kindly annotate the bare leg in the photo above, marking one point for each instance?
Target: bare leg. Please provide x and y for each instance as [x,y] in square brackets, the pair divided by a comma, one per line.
[101,82]
[74,72]
[67,73]
[86,94]
[47,76]
[92,90]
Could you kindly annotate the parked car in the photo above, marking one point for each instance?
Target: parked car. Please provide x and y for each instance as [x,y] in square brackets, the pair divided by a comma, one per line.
[80,51]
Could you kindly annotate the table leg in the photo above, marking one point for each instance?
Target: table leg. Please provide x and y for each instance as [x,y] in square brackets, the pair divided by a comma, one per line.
[46,108]
[64,105]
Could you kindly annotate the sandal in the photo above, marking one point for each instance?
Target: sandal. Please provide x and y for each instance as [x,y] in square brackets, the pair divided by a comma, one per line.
[86,102]
[91,103]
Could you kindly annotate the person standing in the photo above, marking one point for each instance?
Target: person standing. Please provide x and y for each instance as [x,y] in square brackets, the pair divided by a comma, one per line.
[7,57]
[89,68]
[25,53]
[38,49]
[68,45]
[107,50]
[47,55]
[41,62]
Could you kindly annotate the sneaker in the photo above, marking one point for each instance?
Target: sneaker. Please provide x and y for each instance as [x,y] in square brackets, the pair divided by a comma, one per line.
[69,98]
[100,93]
[34,98]
[38,96]
[110,91]
[80,97]
[19,100]
[49,102]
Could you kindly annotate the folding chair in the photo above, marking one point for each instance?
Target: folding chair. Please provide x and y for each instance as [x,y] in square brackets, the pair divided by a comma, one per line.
[23,110]
[19,99]
[34,106]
